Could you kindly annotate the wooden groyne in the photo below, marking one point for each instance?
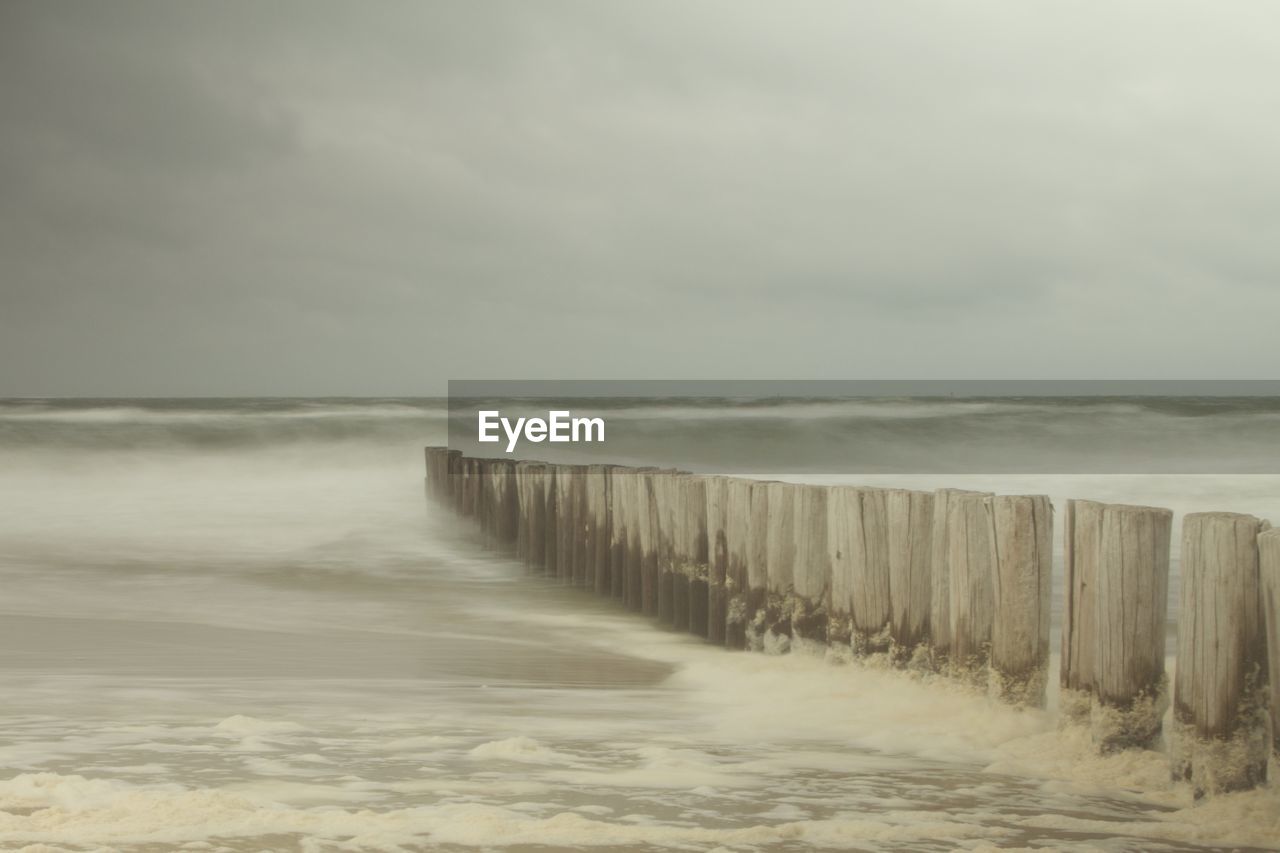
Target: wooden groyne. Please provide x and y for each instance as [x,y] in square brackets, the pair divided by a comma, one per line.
[950,582]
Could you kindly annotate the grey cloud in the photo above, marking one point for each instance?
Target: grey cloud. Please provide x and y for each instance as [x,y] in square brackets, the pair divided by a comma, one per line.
[370,198]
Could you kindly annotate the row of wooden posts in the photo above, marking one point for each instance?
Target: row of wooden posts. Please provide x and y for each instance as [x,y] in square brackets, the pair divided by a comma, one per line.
[955,582]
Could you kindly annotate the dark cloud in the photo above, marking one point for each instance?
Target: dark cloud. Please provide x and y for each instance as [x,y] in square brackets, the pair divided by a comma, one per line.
[310,197]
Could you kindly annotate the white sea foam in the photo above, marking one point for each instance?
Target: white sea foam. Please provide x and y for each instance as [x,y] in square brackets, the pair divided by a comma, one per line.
[518,748]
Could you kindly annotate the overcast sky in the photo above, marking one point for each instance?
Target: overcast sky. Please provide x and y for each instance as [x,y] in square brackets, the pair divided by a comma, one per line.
[371,198]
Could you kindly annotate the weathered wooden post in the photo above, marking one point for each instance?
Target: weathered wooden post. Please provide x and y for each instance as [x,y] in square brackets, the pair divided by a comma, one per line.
[1081,550]
[1130,690]
[434,458]
[484,500]
[1219,738]
[757,593]
[467,468]
[780,562]
[536,514]
[649,486]
[453,489]
[673,585]
[844,510]
[1022,578]
[520,479]
[566,521]
[869,572]
[940,583]
[637,508]
[718,559]
[551,520]
[624,525]
[598,495]
[970,555]
[738,533]
[621,498]
[503,506]
[1269,568]
[910,521]
[811,577]
[694,563]
[582,528]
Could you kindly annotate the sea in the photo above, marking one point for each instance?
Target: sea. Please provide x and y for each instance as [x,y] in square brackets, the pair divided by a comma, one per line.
[239,625]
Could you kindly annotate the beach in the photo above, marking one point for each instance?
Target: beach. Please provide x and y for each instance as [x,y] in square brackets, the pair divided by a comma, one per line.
[241,626]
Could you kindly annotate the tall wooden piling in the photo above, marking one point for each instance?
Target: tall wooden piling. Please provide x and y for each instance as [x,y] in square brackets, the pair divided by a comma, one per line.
[970,556]
[718,559]
[843,510]
[738,522]
[1022,578]
[872,611]
[910,520]
[1081,550]
[583,528]
[1219,738]
[598,496]
[780,562]
[619,522]
[551,522]
[1269,569]
[649,485]
[567,511]
[504,507]
[757,592]
[673,584]
[451,492]
[1130,690]
[940,572]
[634,514]
[531,502]
[695,557]
[637,497]
[811,575]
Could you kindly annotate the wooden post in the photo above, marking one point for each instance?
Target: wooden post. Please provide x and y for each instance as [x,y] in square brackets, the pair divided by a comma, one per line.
[437,473]
[1081,549]
[521,482]
[637,497]
[780,562]
[718,559]
[619,525]
[910,520]
[758,567]
[536,521]
[598,497]
[506,505]
[970,555]
[844,510]
[940,570]
[626,518]
[1132,593]
[649,487]
[1022,578]
[1219,737]
[811,577]
[551,522]
[738,523]
[582,528]
[673,586]
[453,493]
[566,521]
[694,556]
[869,572]
[1269,568]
